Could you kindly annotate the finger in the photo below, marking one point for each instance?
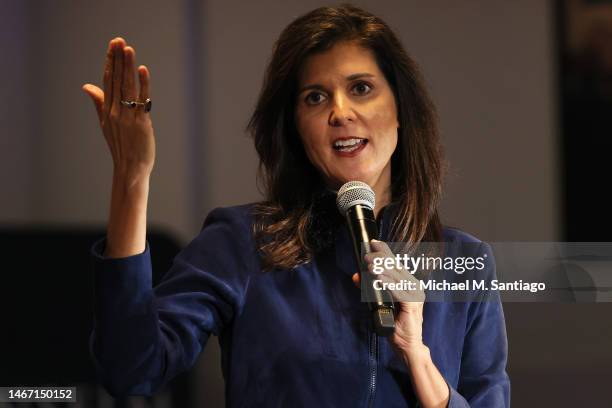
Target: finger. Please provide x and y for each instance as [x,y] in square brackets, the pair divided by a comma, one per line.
[128,86]
[392,272]
[371,256]
[414,298]
[145,83]
[356,280]
[108,78]
[381,246]
[397,275]
[117,75]
[409,290]
[97,96]
[375,270]
[404,292]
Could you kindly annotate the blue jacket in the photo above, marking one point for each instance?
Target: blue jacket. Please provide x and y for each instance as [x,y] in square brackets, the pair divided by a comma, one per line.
[289,338]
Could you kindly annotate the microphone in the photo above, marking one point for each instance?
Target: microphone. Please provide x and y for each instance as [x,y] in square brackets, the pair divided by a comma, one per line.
[356,201]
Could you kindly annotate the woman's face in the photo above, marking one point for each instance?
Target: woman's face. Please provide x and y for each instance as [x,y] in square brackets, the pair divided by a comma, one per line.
[346,116]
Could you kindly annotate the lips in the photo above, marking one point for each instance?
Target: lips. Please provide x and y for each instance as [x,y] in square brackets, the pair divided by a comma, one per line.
[349,144]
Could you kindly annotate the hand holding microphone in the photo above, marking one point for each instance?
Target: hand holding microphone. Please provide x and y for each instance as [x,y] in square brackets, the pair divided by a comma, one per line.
[356,201]
[407,337]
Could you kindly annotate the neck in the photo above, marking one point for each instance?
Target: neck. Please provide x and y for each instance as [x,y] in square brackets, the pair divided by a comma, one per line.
[383,198]
[382,189]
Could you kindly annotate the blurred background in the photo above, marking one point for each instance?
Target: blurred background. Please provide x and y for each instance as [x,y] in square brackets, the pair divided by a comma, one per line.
[524,93]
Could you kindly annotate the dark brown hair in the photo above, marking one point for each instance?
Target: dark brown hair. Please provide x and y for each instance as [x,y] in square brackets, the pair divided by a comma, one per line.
[291,183]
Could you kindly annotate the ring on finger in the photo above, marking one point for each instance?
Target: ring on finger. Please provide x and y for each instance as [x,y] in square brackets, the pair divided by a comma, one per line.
[147,104]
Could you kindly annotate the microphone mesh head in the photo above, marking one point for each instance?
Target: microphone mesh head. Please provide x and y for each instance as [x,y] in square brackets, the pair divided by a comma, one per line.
[353,193]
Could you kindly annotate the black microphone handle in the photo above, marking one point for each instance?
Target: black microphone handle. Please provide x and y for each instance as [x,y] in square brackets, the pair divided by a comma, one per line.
[362,225]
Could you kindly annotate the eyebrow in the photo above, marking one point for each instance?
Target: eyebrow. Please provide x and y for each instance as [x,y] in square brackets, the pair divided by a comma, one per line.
[351,77]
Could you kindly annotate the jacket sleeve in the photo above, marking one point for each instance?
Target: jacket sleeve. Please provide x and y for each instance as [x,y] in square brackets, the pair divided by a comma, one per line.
[483,381]
[144,336]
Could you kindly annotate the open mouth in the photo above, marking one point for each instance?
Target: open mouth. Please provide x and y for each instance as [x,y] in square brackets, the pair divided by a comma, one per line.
[349,145]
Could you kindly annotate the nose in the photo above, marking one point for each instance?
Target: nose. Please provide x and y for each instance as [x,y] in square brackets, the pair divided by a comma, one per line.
[341,111]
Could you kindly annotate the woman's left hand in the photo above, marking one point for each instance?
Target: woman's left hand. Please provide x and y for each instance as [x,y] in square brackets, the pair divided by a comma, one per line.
[407,338]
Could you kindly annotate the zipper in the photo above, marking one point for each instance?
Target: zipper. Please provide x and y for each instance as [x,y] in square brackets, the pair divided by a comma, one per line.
[373,367]
[373,349]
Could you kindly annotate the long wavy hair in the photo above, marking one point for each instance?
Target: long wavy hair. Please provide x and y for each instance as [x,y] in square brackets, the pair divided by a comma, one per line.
[287,228]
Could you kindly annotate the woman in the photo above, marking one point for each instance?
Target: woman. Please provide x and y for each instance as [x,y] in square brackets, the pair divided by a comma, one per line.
[341,101]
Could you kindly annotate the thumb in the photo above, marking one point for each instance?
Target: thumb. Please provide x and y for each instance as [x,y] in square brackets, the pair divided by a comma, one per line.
[357,280]
[97,96]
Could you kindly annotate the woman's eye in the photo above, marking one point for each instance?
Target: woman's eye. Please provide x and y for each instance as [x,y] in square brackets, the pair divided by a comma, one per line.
[314,98]
[362,88]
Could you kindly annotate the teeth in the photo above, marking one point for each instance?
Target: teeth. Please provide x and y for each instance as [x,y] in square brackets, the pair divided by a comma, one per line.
[349,149]
[347,142]
[349,145]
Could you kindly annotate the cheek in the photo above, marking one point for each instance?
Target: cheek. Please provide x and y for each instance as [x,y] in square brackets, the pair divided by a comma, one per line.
[385,129]
[384,115]
[312,133]
[383,122]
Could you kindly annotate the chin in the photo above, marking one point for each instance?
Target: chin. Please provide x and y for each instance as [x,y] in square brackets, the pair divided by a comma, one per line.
[355,176]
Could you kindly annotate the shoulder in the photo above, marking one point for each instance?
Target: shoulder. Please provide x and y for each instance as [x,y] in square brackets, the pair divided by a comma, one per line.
[459,242]
[237,218]
[453,234]
[225,238]
[226,228]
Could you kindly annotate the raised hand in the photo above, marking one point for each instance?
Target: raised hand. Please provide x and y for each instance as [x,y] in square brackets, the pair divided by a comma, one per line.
[127,129]
[129,134]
